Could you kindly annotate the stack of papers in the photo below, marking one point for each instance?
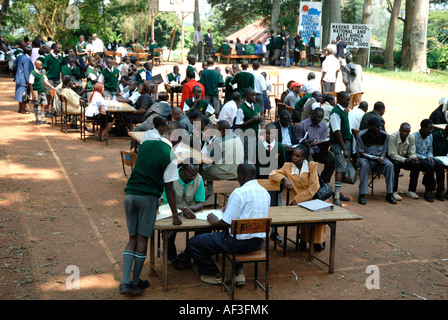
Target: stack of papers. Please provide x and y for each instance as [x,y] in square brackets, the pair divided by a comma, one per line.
[165,212]
[202,215]
[317,205]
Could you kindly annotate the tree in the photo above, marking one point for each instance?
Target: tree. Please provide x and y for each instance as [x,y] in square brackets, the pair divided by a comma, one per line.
[418,36]
[275,14]
[406,40]
[3,11]
[389,51]
[363,53]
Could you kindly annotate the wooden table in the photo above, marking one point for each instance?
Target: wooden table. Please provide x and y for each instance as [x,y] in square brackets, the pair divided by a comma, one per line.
[181,155]
[117,107]
[281,217]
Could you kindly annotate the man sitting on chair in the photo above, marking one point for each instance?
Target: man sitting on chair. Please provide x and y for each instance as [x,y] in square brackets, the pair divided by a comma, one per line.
[372,145]
[250,201]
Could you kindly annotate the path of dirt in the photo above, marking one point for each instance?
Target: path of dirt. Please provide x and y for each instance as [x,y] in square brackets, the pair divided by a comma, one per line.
[61,203]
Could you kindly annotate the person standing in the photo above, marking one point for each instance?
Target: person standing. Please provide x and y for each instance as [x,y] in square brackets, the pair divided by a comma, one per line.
[81,48]
[330,69]
[243,79]
[208,44]
[212,80]
[352,78]
[340,55]
[110,76]
[155,171]
[312,46]
[97,44]
[21,78]
[53,67]
[197,42]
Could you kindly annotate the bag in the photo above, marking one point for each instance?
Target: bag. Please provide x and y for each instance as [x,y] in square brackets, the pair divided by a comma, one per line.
[350,173]
[325,191]
[26,96]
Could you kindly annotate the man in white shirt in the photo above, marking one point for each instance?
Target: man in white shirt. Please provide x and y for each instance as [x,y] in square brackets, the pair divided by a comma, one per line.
[259,86]
[122,50]
[197,42]
[330,68]
[355,115]
[97,44]
[312,84]
[229,110]
[250,201]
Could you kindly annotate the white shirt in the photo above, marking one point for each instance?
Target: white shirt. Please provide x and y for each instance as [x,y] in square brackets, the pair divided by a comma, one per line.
[123,52]
[101,77]
[132,96]
[311,86]
[240,114]
[97,45]
[286,138]
[249,201]
[259,82]
[34,54]
[31,80]
[209,109]
[297,171]
[228,112]
[171,172]
[95,105]
[153,134]
[335,120]
[330,66]
[269,146]
[354,118]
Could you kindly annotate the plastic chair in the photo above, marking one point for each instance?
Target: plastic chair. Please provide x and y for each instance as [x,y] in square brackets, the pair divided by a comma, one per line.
[245,226]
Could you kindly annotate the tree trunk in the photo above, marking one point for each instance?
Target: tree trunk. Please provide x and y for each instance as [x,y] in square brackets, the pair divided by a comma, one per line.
[363,53]
[418,36]
[275,14]
[331,13]
[196,15]
[389,52]
[406,40]
[3,11]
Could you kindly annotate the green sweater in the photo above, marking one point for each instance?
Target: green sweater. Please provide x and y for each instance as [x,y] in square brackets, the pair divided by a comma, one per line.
[244,80]
[226,49]
[53,67]
[39,81]
[154,156]
[110,79]
[212,80]
[345,125]
[249,113]
[138,76]
[90,84]
[202,106]
[67,71]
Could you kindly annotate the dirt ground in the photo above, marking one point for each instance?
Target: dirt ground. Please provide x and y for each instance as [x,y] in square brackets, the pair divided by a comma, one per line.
[61,205]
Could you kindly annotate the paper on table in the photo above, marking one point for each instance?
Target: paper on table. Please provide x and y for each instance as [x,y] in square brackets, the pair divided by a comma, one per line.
[202,215]
[317,205]
[165,212]
[443,159]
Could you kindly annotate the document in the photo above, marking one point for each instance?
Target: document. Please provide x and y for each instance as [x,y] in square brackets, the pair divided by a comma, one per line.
[202,215]
[317,205]
[165,212]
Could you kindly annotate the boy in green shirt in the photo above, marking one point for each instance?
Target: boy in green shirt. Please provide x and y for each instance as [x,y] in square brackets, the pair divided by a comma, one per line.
[52,66]
[91,76]
[38,81]
[198,103]
[243,79]
[110,76]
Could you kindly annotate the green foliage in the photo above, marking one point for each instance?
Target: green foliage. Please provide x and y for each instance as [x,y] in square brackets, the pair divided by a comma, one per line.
[164,24]
[437,57]
[351,11]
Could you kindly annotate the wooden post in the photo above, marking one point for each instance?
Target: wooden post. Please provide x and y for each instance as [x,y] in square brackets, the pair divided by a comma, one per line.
[172,39]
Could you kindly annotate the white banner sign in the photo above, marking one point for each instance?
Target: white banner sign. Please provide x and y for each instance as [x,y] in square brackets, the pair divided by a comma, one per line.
[310,20]
[352,35]
[176,5]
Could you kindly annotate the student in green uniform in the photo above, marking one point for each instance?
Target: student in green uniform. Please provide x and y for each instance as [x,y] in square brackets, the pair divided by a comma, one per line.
[244,79]
[141,75]
[72,70]
[197,102]
[248,119]
[53,66]
[91,76]
[110,76]
[155,171]
[302,49]
[38,81]
[226,49]
[81,47]
[228,89]
[212,80]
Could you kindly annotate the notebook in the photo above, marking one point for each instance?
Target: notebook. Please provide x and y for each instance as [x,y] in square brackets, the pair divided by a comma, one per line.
[165,212]
[317,205]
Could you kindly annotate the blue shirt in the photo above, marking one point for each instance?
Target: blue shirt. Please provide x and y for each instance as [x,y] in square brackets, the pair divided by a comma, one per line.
[423,147]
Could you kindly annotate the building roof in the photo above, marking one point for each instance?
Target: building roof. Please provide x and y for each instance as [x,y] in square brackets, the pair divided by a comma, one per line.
[255,31]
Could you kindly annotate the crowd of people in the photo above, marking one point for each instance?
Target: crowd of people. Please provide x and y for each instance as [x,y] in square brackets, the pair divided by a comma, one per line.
[224,119]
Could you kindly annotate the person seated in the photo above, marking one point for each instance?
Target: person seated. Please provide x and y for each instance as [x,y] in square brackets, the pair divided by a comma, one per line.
[227,152]
[440,115]
[132,68]
[132,94]
[402,153]
[96,110]
[123,67]
[287,91]
[312,103]
[72,70]
[73,99]
[378,111]
[157,132]
[311,85]
[179,116]
[141,105]
[294,95]
[440,148]
[161,108]
[286,133]
[229,110]
[172,81]
[301,179]
[371,146]
[190,196]
[250,201]
[314,130]
[198,103]
[428,164]
[187,89]
[259,48]
[226,49]
[328,103]
[144,73]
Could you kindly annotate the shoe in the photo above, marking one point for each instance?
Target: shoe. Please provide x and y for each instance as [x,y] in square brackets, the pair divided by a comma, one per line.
[337,202]
[362,199]
[143,284]
[428,197]
[302,245]
[390,198]
[275,237]
[318,247]
[412,195]
[210,279]
[397,196]
[344,198]
[240,280]
[440,197]
[182,262]
[128,289]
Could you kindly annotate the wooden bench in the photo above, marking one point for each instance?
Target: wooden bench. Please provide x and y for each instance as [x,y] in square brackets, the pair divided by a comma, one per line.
[236,56]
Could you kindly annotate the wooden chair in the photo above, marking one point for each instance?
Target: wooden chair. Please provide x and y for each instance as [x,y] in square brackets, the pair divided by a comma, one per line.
[65,116]
[279,106]
[96,124]
[245,226]
[158,56]
[142,57]
[128,158]
[109,54]
[54,116]
[335,94]
[225,188]
[276,85]
[374,173]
